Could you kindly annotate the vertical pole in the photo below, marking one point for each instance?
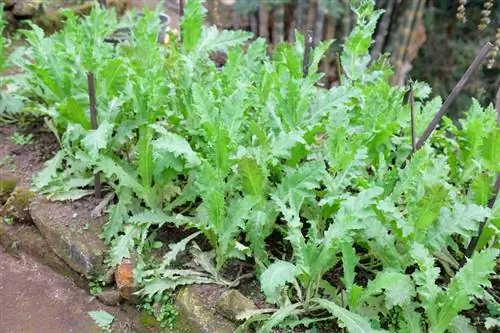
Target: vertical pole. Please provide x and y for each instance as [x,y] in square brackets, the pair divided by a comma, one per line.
[181,14]
[308,40]
[412,119]
[181,9]
[93,122]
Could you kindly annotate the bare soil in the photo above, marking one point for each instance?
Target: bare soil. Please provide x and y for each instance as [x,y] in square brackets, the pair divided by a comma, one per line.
[35,299]
[25,160]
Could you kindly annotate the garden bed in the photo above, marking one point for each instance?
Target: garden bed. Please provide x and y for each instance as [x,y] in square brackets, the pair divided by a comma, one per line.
[347,208]
[64,236]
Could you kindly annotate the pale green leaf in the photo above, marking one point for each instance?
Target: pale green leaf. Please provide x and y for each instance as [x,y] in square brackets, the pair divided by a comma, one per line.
[98,139]
[215,40]
[398,288]
[158,286]
[123,245]
[192,23]
[349,262]
[461,324]
[350,320]
[490,323]
[72,195]
[102,319]
[177,145]
[279,316]
[175,249]
[276,276]
[44,177]
[253,177]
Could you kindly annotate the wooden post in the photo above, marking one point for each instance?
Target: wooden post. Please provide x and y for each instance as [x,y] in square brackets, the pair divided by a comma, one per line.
[181,9]
[93,122]
[308,41]
[411,101]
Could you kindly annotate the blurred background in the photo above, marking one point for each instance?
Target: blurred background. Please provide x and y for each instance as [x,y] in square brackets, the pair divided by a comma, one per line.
[427,40]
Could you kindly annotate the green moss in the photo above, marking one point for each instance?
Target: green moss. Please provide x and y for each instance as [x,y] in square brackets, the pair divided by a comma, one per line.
[16,205]
[147,320]
[7,185]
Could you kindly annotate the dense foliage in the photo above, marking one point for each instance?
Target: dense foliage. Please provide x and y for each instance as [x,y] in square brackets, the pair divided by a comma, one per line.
[253,150]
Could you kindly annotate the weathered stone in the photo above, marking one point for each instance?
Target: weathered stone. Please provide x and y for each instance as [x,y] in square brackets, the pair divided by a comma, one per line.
[53,21]
[196,317]
[119,5]
[27,8]
[25,238]
[17,205]
[109,276]
[7,184]
[232,303]
[73,236]
[124,278]
[109,297]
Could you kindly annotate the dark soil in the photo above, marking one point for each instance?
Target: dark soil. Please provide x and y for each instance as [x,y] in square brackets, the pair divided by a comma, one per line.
[25,160]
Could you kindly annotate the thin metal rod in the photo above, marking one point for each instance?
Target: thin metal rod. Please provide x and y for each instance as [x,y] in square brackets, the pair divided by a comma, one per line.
[480,57]
[93,123]
[412,120]
[483,53]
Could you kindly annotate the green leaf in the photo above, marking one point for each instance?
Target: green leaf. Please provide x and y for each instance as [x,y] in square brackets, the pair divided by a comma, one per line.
[461,324]
[460,219]
[467,283]
[426,210]
[192,23]
[123,245]
[102,319]
[349,262]
[125,177]
[279,316]
[151,218]
[175,249]
[275,277]
[178,146]
[398,288]
[98,139]
[214,40]
[158,286]
[253,177]
[44,177]
[145,157]
[350,320]
[355,57]
[72,195]
[491,323]
[474,275]
[482,188]
[318,53]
